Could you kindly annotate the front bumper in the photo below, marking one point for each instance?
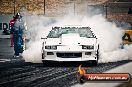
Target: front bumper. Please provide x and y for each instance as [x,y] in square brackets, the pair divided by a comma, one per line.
[69,56]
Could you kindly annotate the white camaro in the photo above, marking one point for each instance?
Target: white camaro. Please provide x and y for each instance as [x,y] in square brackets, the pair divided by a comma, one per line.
[70,44]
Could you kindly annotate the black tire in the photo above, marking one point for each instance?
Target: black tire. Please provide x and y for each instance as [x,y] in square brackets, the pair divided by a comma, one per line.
[42,55]
[45,64]
[98,54]
[49,63]
[94,63]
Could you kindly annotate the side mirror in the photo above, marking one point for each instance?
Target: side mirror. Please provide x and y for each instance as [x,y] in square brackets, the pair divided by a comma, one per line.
[94,35]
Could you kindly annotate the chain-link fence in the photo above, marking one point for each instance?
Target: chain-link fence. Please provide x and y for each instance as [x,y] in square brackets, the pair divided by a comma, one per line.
[119,12]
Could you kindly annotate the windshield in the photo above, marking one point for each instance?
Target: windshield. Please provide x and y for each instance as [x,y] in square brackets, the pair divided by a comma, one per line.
[83,32]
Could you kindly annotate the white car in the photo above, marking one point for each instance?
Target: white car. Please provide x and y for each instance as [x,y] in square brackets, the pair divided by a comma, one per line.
[65,44]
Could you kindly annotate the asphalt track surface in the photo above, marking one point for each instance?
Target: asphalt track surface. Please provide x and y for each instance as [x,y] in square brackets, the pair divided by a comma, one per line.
[17,73]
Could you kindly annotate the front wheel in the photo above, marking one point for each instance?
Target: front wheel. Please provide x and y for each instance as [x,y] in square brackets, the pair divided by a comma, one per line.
[94,62]
[45,63]
[42,55]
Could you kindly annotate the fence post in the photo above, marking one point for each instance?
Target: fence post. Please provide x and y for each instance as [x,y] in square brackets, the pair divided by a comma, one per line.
[14,7]
[44,7]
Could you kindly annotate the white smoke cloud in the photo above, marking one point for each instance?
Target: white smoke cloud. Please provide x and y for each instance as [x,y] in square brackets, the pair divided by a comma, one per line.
[37,28]
[33,53]
[109,36]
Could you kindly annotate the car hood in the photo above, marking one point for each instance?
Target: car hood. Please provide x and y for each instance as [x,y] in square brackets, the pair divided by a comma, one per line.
[70,39]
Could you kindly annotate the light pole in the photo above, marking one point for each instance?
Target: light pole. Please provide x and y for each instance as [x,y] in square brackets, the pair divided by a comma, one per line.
[14,7]
[106,9]
[44,7]
[74,8]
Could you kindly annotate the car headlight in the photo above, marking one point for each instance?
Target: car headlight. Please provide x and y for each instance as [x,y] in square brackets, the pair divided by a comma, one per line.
[51,47]
[87,46]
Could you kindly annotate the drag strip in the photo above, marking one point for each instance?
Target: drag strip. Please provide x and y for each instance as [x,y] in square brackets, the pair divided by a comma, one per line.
[20,74]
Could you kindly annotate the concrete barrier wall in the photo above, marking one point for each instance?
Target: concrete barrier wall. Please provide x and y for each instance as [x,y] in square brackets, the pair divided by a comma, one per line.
[4,22]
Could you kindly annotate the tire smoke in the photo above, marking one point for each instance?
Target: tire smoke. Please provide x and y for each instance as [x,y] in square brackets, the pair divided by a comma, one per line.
[108,34]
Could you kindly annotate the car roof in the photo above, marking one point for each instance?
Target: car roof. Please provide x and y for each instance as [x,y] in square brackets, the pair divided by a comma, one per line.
[65,27]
